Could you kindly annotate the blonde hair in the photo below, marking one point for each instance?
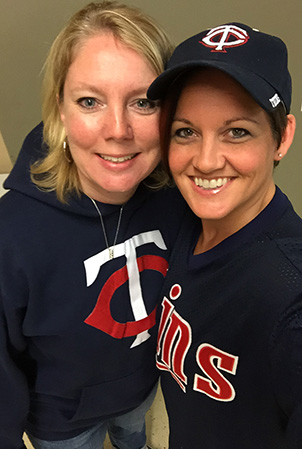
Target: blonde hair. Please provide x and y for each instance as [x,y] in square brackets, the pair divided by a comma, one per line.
[129,25]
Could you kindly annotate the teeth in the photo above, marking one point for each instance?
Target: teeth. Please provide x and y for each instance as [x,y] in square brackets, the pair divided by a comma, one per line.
[117,159]
[210,183]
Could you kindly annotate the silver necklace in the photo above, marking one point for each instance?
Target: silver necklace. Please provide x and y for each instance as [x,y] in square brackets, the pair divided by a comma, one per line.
[110,248]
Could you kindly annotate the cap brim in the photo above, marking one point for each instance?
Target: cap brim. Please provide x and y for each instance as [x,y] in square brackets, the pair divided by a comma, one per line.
[256,86]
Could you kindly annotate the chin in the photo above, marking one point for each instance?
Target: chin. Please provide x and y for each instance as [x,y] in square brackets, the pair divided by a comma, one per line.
[205,214]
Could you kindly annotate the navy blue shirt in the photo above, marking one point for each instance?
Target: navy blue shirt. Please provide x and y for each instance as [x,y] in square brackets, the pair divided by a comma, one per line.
[230,336]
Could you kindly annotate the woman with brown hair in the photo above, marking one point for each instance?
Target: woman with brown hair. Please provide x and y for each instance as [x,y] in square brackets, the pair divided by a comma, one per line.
[229,344]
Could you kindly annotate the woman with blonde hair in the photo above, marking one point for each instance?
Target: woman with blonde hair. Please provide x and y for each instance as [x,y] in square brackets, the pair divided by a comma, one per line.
[84,249]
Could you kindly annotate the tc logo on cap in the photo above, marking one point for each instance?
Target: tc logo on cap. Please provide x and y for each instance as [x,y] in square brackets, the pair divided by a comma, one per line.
[228,36]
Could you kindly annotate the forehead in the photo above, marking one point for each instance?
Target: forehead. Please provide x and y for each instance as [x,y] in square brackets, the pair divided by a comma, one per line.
[103,43]
[216,88]
[104,58]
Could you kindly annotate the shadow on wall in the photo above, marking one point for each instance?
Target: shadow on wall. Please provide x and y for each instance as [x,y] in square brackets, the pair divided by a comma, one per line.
[3,177]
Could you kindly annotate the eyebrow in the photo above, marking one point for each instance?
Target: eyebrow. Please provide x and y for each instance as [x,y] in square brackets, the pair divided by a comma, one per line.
[226,123]
[243,118]
[83,86]
[184,120]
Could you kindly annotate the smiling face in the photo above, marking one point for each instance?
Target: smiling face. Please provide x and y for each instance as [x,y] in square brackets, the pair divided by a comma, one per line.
[222,151]
[112,128]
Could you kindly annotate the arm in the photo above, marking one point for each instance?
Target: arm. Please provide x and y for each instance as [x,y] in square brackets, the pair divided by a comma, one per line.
[14,392]
[286,360]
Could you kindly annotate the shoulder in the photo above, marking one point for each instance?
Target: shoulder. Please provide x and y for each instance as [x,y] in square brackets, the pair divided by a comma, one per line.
[170,198]
[33,142]
[287,236]
[166,203]
[20,213]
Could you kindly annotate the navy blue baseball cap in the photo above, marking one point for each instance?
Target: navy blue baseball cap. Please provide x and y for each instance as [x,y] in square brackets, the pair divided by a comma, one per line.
[256,60]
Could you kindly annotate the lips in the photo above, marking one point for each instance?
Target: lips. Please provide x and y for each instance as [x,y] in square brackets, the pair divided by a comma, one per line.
[208,184]
[117,160]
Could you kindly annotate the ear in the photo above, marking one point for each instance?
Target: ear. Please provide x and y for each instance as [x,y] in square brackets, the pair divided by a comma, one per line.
[287,138]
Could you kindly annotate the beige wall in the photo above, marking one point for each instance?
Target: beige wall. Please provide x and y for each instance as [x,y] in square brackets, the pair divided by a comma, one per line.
[27,27]
[5,161]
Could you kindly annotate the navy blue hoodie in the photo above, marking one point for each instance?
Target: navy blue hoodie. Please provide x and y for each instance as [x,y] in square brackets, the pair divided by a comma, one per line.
[77,330]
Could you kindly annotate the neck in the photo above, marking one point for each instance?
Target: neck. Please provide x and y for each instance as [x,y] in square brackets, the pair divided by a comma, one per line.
[117,198]
[209,238]
[214,231]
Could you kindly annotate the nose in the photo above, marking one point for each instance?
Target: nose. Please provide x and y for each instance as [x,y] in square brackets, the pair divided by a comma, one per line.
[208,156]
[117,124]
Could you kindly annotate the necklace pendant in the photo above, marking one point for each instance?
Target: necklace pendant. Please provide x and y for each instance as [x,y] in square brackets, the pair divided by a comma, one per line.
[111,253]
[110,248]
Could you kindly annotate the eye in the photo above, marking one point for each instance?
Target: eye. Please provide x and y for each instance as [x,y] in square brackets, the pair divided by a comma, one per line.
[145,106]
[184,132]
[87,102]
[238,133]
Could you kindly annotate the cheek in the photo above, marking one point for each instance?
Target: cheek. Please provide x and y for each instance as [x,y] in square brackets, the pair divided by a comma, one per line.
[147,132]
[81,133]
[176,160]
[245,165]
[260,160]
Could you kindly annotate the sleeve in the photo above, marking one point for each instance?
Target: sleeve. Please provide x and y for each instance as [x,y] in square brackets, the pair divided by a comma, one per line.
[14,391]
[286,362]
